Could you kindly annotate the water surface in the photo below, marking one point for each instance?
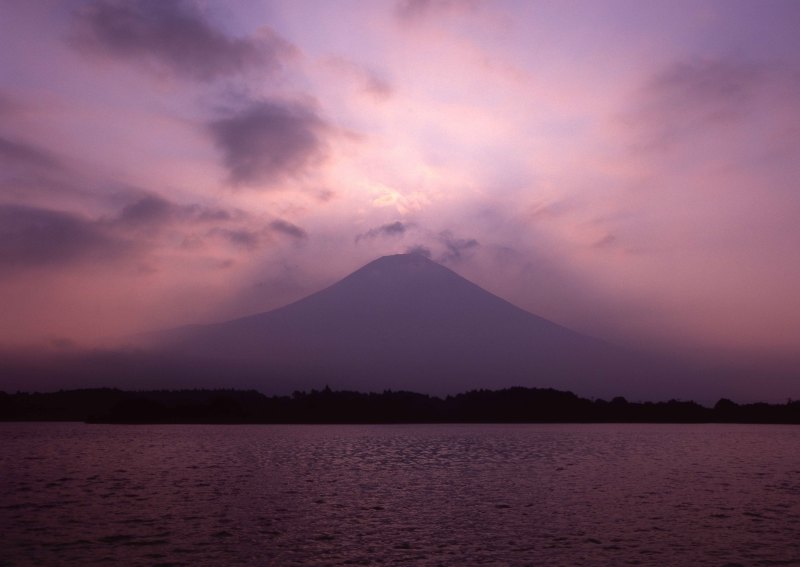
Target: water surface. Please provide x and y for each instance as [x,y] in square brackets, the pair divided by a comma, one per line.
[416,495]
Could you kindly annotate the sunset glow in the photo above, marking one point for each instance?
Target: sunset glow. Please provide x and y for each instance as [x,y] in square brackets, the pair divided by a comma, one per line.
[626,169]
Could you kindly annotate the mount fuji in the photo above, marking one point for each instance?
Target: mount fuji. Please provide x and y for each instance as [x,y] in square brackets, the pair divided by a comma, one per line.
[404,322]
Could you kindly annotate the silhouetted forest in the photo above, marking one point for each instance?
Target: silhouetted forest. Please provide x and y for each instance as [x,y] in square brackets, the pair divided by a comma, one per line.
[106,405]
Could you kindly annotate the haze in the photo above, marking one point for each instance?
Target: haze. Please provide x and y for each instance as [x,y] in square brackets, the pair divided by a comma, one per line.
[626,169]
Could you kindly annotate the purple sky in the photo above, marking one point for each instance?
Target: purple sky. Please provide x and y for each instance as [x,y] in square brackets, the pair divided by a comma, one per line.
[628,169]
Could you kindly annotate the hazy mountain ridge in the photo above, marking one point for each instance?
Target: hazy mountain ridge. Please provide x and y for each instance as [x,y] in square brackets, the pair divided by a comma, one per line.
[406,322]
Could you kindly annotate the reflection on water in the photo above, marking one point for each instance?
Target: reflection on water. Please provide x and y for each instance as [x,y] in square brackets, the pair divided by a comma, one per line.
[417,495]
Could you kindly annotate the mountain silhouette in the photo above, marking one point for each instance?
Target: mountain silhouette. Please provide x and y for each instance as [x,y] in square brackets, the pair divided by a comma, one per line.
[404,322]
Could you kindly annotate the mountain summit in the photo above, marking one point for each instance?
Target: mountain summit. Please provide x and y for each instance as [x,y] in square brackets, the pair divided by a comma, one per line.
[400,322]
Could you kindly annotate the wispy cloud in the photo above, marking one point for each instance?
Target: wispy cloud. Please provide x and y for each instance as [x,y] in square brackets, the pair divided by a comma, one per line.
[147,211]
[420,249]
[411,11]
[20,154]
[147,227]
[365,79]
[239,237]
[396,228]
[691,95]
[288,229]
[456,249]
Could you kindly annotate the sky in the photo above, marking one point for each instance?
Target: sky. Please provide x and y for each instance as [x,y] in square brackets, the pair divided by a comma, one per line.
[628,169]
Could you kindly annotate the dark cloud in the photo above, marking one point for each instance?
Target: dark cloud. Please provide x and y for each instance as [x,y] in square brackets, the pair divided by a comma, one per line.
[242,238]
[31,173]
[396,228]
[31,236]
[249,239]
[150,210]
[455,248]
[147,211]
[195,213]
[284,227]
[172,35]
[157,223]
[267,141]
[20,154]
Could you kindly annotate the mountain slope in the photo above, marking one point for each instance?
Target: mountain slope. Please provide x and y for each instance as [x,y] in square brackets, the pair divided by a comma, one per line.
[404,322]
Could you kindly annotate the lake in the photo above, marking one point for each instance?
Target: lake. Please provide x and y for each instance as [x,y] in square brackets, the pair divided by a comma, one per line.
[553,494]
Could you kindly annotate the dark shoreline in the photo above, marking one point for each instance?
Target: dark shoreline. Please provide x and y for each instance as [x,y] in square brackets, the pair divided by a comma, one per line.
[511,405]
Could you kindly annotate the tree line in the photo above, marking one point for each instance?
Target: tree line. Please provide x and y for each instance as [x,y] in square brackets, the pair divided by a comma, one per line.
[509,405]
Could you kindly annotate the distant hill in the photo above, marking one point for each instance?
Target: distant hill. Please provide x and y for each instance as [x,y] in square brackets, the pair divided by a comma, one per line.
[406,322]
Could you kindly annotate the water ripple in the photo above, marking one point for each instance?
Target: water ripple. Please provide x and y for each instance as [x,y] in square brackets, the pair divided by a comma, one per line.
[578,495]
